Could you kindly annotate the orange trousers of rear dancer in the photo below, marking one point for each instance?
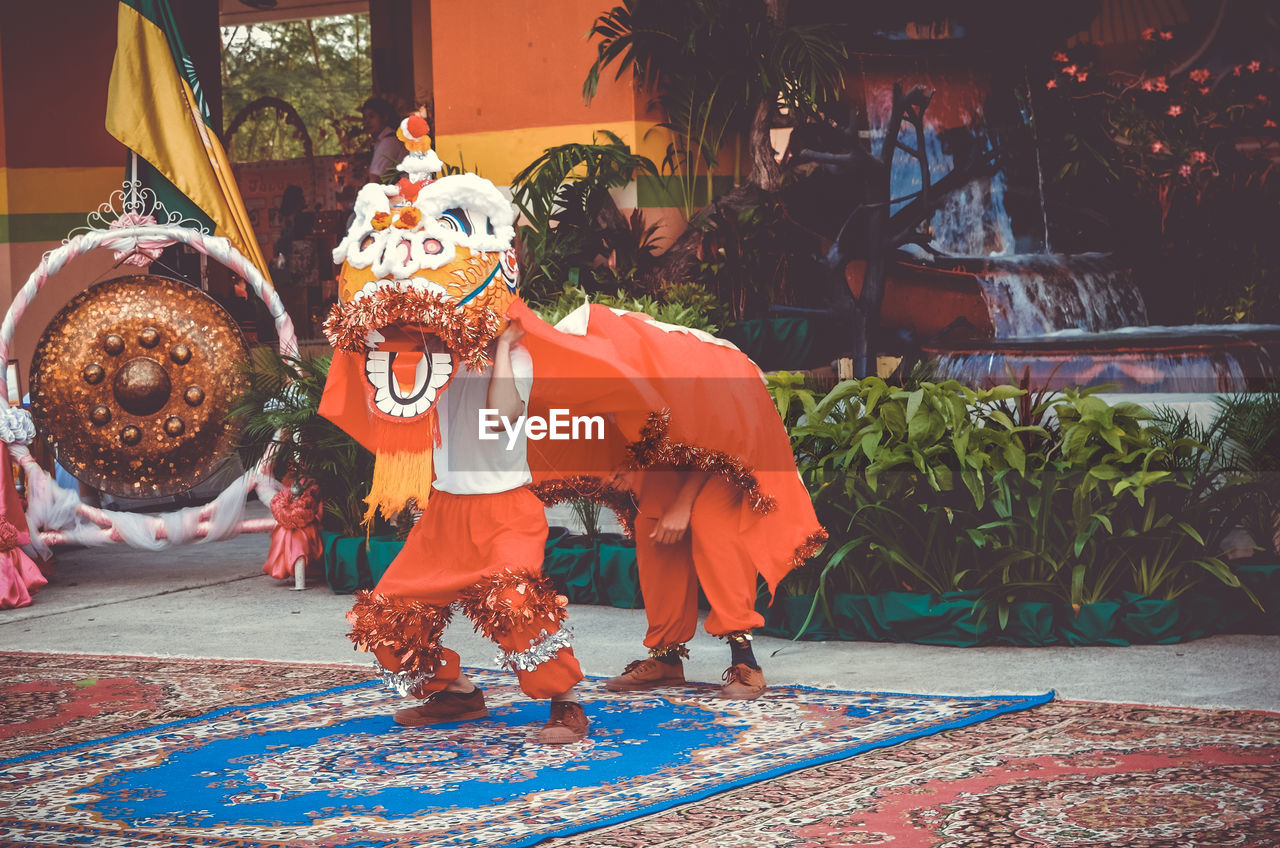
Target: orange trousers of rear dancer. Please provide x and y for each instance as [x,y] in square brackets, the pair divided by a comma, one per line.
[710,554]
[459,541]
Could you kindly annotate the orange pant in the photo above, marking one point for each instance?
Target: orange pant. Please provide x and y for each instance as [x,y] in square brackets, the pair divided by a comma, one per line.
[711,554]
[465,542]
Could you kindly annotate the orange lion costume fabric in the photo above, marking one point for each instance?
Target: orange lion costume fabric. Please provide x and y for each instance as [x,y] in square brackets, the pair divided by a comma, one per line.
[428,281]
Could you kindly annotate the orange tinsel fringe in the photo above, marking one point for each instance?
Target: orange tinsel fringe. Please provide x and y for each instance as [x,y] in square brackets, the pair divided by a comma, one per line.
[409,629]
[467,331]
[510,600]
[654,447]
[809,548]
[594,489]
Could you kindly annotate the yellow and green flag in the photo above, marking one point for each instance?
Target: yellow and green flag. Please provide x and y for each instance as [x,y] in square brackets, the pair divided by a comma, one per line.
[156,109]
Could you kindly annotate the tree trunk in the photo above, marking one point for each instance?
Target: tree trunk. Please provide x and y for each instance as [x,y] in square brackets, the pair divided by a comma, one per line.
[867,324]
[765,172]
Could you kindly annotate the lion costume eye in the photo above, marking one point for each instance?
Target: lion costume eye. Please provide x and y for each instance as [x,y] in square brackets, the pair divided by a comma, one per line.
[456,220]
[510,264]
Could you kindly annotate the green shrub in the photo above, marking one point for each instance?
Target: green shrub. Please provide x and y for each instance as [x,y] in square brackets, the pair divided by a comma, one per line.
[280,409]
[686,305]
[571,231]
[944,488]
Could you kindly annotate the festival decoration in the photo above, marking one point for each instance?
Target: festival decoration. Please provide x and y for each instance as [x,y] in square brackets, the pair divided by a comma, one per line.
[132,221]
[380,621]
[131,383]
[20,577]
[295,541]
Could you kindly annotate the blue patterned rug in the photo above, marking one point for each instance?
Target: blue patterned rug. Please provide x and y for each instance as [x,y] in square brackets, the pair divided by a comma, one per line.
[332,769]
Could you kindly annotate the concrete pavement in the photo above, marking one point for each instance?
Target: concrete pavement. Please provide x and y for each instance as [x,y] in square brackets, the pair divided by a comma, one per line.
[212,600]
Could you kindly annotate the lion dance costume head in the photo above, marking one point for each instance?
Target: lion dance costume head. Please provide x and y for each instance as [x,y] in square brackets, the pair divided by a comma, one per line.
[428,274]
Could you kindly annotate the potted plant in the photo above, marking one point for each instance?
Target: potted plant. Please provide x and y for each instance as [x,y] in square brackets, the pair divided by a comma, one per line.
[593,567]
[280,411]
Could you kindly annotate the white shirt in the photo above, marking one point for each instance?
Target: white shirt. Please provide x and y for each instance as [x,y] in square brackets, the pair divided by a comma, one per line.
[464,463]
[388,152]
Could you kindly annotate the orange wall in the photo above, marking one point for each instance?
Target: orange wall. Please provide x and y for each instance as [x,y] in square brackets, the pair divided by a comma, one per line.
[508,82]
[495,70]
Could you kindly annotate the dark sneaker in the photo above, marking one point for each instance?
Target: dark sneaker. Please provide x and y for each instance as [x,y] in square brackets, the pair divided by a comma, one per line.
[568,724]
[646,674]
[442,707]
[742,683]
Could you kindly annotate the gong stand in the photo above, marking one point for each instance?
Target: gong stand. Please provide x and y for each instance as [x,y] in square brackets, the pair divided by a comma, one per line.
[57,515]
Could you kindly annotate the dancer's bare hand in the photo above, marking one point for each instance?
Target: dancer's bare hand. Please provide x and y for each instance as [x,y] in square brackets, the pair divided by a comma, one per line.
[673,524]
[512,334]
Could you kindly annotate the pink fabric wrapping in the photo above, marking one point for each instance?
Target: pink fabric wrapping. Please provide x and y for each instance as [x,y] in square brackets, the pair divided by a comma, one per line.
[288,546]
[297,532]
[19,576]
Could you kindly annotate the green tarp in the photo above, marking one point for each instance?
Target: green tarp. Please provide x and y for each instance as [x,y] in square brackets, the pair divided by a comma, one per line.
[603,571]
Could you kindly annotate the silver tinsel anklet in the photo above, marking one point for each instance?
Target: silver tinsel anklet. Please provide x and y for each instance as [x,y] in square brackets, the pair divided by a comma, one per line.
[545,648]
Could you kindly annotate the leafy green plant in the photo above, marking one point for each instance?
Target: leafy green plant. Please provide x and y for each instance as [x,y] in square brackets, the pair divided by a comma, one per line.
[898,477]
[1156,152]
[686,306]
[1250,426]
[571,229]
[280,414]
[941,489]
[1235,474]
[746,255]
[588,514]
[720,69]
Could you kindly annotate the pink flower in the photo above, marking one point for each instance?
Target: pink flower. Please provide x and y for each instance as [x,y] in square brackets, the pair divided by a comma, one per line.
[1175,110]
[1051,84]
[1185,171]
[1157,147]
[1149,34]
[1235,72]
[1262,98]
[135,251]
[1069,69]
[1204,91]
[1148,85]
[1254,66]
[1082,76]
[1161,84]
[1059,56]
[1268,123]
[1199,74]
[1166,35]
[1199,156]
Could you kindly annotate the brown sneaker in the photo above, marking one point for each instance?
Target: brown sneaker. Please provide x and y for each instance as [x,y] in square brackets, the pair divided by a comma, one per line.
[444,706]
[568,724]
[646,674]
[742,683]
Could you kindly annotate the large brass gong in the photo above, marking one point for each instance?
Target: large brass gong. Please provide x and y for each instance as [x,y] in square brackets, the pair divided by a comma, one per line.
[131,384]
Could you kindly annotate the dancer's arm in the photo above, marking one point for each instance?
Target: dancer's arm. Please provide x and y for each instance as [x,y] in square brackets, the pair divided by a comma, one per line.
[503,394]
[675,520]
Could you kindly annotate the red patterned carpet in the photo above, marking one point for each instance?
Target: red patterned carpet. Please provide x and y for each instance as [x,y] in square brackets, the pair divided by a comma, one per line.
[1067,774]
[53,700]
